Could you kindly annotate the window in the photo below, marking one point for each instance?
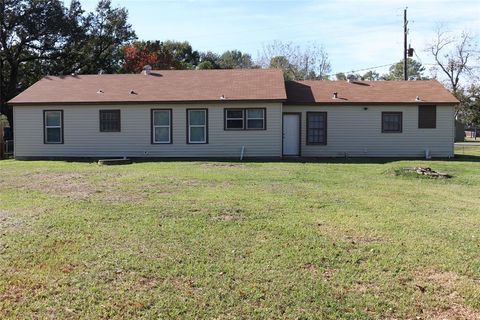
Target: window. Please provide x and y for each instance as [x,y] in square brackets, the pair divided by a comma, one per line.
[234,119]
[109,120]
[197,123]
[255,119]
[391,122]
[245,119]
[427,117]
[161,126]
[317,128]
[53,126]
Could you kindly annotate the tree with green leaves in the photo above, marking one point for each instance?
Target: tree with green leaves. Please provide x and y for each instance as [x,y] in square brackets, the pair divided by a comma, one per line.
[107,31]
[282,63]
[415,71]
[371,76]
[469,109]
[178,55]
[30,31]
[209,60]
[341,76]
[235,59]
[39,38]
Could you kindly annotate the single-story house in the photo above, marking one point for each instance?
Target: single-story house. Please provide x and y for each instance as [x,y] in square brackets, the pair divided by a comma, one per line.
[230,114]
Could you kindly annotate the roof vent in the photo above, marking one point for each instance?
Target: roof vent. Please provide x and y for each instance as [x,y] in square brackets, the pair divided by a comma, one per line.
[147,69]
[335,95]
[351,78]
[418,99]
[100,91]
[133,92]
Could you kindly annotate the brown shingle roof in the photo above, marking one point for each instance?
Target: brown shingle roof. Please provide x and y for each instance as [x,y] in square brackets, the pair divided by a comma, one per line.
[159,86]
[371,92]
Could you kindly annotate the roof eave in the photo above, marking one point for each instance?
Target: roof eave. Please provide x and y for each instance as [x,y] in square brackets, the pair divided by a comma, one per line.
[344,103]
[44,103]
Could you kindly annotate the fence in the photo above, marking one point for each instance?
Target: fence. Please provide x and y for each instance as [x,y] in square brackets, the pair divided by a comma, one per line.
[6,149]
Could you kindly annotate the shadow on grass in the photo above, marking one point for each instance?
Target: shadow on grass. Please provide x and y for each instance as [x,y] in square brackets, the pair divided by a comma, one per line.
[339,160]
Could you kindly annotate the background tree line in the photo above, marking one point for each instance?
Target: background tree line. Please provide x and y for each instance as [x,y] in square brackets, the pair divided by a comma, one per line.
[46,37]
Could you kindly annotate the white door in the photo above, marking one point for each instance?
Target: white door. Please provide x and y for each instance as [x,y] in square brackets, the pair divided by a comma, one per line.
[291,134]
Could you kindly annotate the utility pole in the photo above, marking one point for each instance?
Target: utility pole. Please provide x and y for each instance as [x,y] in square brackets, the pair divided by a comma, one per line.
[405,31]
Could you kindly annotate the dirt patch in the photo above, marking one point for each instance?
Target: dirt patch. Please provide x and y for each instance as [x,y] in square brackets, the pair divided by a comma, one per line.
[310,268]
[18,219]
[229,214]
[362,239]
[326,274]
[445,302]
[223,165]
[79,186]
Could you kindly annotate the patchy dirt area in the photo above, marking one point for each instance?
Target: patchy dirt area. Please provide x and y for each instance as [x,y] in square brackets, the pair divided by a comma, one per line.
[74,185]
[229,214]
[107,187]
[447,302]
[223,165]
[17,219]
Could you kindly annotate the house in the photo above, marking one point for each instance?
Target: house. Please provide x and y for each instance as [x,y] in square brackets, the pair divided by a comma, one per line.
[230,114]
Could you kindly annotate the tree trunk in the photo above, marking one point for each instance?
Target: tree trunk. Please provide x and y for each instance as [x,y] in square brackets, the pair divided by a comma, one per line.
[9,93]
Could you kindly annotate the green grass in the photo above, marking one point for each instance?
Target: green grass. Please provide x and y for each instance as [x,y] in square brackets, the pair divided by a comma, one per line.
[228,240]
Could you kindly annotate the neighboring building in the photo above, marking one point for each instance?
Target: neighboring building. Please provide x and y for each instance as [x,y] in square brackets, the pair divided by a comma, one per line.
[227,113]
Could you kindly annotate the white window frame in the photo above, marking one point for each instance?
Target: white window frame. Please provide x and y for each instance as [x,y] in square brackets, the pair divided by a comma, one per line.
[248,118]
[204,126]
[46,127]
[227,118]
[169,126]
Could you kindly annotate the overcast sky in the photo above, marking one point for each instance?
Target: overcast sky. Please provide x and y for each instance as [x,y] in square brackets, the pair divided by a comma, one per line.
[356,34]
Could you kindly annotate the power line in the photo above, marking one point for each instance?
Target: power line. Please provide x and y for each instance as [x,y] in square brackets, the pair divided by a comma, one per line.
[364,69]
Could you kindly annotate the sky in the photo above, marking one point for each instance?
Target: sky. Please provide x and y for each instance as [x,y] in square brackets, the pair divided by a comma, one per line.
[355,34]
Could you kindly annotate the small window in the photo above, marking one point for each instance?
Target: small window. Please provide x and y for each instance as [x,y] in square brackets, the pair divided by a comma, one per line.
[391,122]
[317,128]
[161,126]
[109,120]
[197,121]
[234,119]
[53,126]
[427,117]
[256,119]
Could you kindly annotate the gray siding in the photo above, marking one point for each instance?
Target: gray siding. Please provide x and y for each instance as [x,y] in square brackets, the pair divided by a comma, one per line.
[82,137]
[358,132]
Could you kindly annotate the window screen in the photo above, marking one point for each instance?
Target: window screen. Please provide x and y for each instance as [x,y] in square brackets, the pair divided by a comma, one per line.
[427,117]
[110,120]
[391,122]
[316,128]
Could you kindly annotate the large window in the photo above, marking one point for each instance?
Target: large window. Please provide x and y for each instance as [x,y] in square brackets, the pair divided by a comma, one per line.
[197,123]
[161,126]
[317,128]
[53,126]
[427,117]
[245,119]
[109,120]
[391,122]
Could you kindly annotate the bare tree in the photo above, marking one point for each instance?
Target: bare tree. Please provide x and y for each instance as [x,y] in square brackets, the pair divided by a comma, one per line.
[299,62]
[453,55]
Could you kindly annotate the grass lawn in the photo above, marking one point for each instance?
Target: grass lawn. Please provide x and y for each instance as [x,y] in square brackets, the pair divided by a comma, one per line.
[229,240]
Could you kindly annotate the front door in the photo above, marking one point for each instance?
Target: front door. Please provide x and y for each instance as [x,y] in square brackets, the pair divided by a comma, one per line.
[291,134]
